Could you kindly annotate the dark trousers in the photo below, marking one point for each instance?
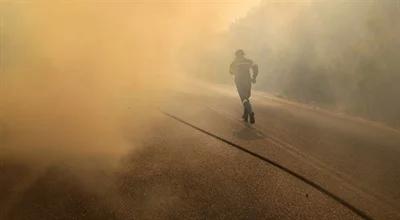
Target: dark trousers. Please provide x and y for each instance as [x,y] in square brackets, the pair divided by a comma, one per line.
[243,86]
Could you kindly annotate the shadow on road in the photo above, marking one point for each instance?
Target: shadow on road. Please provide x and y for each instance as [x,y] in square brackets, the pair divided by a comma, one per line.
[249,133]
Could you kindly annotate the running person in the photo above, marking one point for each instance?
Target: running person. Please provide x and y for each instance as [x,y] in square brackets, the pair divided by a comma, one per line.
[240,68]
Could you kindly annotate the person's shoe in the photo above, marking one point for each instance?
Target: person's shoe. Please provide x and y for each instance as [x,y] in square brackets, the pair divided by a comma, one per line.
[245,117]
[252,119]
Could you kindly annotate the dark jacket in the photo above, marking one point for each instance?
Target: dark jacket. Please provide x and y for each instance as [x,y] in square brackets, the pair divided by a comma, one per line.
[240,68]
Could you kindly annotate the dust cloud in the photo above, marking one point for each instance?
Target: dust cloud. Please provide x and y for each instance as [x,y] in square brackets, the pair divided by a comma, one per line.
[82,79]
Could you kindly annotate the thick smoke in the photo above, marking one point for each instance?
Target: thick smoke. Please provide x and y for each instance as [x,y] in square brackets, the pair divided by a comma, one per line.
[337,54]
[82,77]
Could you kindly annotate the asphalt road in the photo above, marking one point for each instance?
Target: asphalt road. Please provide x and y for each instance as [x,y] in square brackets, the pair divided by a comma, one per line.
[355,159]
[179,172]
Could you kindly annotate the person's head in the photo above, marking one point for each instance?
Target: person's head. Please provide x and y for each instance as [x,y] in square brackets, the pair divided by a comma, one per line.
[239,53]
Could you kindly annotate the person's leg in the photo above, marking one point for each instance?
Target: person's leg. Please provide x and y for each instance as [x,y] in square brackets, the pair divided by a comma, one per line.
[243,96]
[249,110]
[252,118]
[245,113]
[244,90]
[247,104]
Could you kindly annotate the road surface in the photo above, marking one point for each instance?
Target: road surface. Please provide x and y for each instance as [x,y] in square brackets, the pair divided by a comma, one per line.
[199,161]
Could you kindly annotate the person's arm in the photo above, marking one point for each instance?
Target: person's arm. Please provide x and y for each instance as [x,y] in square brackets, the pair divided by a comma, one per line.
[231,71]
[254,68]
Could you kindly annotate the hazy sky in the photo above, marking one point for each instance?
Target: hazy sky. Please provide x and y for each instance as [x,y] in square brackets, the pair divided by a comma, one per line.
[74,71]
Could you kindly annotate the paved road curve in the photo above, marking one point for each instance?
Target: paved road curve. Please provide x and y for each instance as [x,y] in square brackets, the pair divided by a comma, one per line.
[352,158]
[182,173]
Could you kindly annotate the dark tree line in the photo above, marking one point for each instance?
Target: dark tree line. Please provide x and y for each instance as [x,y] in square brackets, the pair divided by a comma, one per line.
[337,54]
